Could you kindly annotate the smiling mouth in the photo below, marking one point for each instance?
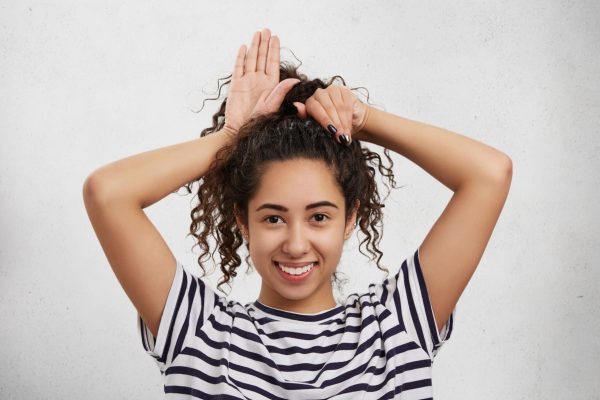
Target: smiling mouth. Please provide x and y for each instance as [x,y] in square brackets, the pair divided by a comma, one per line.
[296,271]
[295,264]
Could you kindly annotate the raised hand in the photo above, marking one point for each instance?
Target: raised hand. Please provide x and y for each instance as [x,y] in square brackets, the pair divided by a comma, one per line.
[255,88]
[338,110]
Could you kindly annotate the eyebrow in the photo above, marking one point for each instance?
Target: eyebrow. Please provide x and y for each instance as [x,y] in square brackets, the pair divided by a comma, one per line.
[308,207]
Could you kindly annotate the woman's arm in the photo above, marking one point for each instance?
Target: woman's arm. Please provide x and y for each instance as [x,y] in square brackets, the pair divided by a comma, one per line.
[114,198]
[449,157]
[480,177]
[116,194]
[145,178]
[255,89]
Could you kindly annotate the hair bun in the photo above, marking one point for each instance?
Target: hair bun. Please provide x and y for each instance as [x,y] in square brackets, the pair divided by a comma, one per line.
[300,92]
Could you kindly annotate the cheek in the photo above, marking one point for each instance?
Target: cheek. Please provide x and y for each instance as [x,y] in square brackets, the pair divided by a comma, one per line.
[261,245]
[264,246]
[330,240]
[330,244]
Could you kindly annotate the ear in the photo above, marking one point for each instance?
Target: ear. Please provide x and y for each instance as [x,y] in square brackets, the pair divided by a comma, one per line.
[240,223]
[351,224]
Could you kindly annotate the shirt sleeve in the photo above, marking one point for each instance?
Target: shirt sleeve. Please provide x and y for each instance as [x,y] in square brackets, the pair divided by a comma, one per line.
[185,311]
[406,295]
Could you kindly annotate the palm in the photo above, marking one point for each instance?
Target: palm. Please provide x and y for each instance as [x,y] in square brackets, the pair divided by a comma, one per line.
[246,96]
[255,76]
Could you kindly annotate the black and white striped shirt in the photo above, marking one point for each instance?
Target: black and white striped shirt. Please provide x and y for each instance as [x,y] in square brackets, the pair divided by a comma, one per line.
[379,345]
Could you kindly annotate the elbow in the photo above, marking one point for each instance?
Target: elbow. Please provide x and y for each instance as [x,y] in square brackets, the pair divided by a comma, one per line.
[495,174]
[506,167]
[93,190]
[502,170]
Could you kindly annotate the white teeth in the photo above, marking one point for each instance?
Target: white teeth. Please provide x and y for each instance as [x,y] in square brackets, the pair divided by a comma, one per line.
[296,271]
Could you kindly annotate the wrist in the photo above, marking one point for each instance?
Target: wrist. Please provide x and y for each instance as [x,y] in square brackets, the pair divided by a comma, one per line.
[360,132]
[229,131]
[365,118]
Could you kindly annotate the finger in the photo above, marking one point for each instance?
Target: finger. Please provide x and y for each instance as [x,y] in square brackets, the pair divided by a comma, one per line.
[275,98]
[347,110]
[321,108]
[263,49]
[238,68]
[337,97]
[330,101]
[272,68]
[252,53]
[301,109]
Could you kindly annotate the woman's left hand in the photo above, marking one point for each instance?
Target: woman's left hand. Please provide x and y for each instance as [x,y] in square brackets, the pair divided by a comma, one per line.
[337,110]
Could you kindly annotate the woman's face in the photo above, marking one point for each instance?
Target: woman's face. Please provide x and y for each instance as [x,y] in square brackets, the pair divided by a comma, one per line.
[297,217]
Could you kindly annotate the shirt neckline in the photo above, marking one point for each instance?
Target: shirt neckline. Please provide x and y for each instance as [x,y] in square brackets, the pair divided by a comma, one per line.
[294,316]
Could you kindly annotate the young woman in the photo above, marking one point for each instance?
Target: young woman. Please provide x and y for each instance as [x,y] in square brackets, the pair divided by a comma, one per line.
[283,171]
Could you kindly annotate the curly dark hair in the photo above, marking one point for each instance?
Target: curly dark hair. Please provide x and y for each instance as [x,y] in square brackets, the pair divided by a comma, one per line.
[235,174]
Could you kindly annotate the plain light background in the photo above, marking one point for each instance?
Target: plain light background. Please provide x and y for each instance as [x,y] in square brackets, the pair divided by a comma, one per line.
[86,83]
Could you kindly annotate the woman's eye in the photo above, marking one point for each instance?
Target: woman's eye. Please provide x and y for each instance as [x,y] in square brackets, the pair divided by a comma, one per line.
[270,219]
[325,217]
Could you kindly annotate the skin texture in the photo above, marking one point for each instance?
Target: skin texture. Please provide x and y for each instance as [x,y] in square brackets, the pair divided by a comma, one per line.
[297,235]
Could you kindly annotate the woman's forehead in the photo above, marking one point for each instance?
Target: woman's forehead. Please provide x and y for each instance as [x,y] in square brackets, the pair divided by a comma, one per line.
[298,183]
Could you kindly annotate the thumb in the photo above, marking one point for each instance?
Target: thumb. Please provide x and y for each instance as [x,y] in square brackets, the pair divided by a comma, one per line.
[301,109]
[275,98]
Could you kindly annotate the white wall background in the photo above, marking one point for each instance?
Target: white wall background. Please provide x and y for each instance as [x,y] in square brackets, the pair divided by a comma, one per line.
[85,83]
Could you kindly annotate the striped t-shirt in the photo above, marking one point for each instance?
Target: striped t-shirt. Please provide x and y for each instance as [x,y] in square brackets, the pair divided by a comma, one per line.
[378,345]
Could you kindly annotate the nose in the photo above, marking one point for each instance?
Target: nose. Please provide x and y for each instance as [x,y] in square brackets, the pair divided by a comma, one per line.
[297,241]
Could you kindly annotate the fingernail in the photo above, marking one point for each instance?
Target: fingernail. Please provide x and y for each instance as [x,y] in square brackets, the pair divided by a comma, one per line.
[332,129]
[345,139]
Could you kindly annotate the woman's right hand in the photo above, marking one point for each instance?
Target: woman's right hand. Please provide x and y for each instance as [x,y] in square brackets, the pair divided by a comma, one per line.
[255,88]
